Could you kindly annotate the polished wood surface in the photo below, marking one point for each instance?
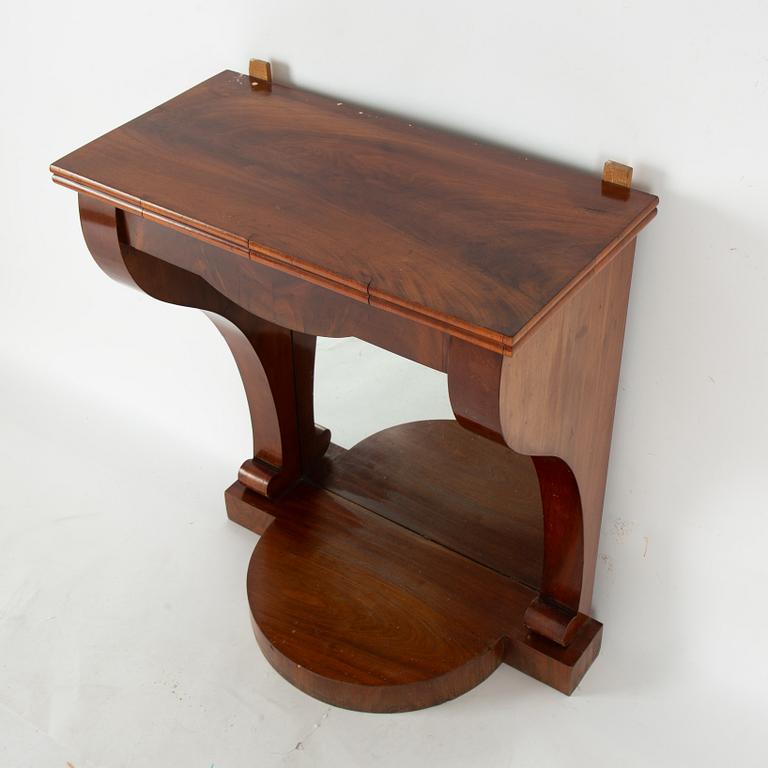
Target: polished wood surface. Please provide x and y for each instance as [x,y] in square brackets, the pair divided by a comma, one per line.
[567,374]
[365,614]
[401,572]
[554,399]
[261,71]
[275,364]
[283,298]
[450,486]
[438,228]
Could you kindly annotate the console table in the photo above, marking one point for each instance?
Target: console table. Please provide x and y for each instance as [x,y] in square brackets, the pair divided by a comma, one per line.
[401,572]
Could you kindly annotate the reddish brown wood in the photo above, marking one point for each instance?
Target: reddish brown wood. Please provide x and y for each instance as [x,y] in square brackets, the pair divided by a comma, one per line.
[472,239]
[553,398]
[565,374]
[451,486]
[401,572]
[474,378]
[365,614]
[278,391]
[555,613]
[364,597]
[285,299]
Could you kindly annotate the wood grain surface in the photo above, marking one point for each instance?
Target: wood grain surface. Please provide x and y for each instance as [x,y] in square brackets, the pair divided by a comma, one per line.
[411,219]
[365,614]
[451,486]
[276,365]
[400,573]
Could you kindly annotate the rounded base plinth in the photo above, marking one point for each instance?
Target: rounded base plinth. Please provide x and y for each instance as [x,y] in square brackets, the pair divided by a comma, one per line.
[378,610]
[366,615]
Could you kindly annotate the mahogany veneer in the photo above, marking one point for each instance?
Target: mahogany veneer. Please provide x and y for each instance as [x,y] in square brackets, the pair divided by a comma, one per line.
[400,573]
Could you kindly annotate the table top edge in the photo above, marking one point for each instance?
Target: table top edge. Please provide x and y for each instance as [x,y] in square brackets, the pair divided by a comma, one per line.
[484,337]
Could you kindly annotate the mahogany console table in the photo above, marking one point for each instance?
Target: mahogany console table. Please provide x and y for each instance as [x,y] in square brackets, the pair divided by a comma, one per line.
[401,572]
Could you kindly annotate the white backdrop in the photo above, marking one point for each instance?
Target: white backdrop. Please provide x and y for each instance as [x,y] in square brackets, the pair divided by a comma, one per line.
[124,636]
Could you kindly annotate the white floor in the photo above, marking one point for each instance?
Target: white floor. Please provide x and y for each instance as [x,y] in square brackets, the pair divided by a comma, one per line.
[124,631]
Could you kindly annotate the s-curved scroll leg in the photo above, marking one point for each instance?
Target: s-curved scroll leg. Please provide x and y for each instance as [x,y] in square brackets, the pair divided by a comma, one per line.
[275,363]
[553,399]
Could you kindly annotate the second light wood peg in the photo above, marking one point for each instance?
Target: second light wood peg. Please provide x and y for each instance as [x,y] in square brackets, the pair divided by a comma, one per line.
[617,173]
[260,70]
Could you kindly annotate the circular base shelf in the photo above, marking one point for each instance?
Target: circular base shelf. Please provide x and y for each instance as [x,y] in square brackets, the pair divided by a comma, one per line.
[364,611]
[364,614]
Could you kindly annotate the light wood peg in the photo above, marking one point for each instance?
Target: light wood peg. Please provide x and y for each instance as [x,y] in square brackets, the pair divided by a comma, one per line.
[260,70]
[617,173]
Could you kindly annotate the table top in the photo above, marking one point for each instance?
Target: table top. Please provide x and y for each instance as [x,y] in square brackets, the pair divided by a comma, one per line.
[415,220]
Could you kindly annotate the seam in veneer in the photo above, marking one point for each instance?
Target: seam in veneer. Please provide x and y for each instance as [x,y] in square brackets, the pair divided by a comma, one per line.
[482,337]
